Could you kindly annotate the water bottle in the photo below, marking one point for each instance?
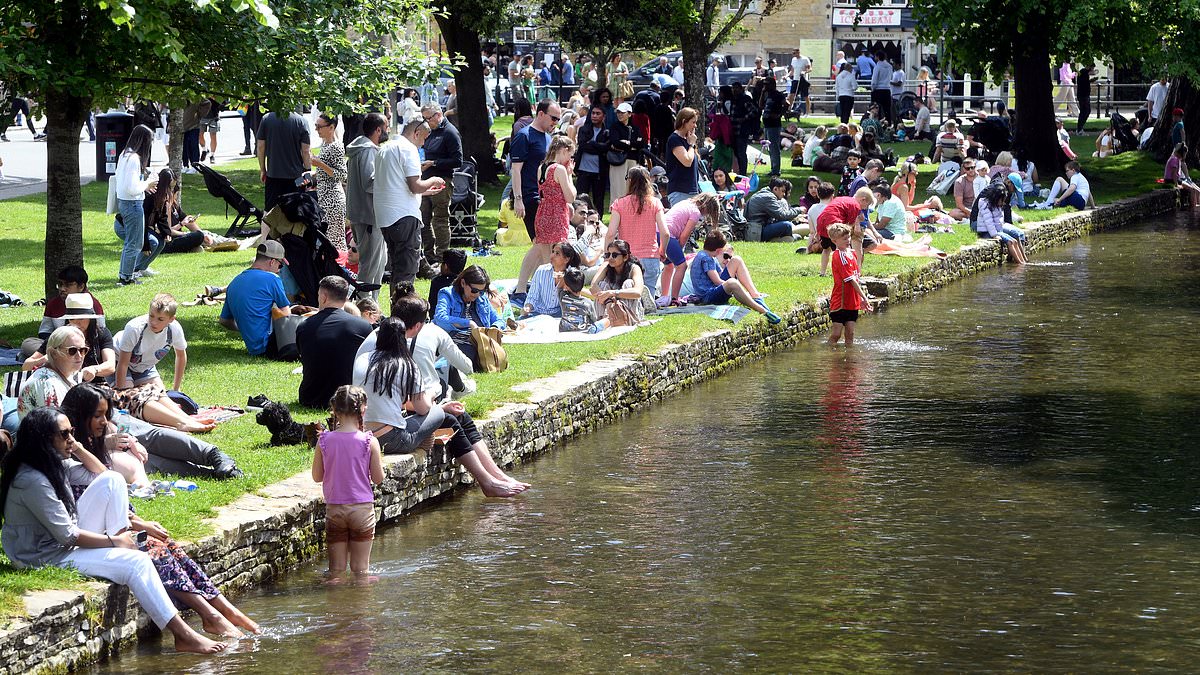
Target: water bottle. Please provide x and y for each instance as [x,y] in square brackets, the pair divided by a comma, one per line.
[184,485]
[122,421]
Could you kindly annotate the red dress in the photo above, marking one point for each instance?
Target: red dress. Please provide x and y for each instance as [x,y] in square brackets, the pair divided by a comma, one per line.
[553,217]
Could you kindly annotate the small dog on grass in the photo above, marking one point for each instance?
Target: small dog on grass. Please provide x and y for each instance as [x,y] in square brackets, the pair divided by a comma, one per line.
[278,420]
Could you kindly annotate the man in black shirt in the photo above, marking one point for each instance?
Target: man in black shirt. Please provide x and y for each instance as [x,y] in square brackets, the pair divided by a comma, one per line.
[327,342]
[443,155]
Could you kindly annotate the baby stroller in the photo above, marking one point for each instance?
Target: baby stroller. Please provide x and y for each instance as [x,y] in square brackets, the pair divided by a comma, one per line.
[218,185]
[465,201]
[1123,133]
[944,180]
[311,256]
[733,215]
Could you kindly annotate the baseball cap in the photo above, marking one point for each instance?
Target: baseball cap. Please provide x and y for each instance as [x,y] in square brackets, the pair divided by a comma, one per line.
[272,249]
[1015,179]
[625,108]
[1177,111]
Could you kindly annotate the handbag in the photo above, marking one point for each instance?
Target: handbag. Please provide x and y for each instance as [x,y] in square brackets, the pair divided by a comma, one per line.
[626,89]
[618,314]
[615,157]
[492,357]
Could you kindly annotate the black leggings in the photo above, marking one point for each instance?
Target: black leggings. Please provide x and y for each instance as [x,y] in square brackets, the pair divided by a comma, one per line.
[184,243]
[846,105]
[465,435]
[21,106]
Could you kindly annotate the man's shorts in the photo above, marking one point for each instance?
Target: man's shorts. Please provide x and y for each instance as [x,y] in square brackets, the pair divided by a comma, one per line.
[212,124]
[1075,200]
[826,244]
[349,522]
[844,316]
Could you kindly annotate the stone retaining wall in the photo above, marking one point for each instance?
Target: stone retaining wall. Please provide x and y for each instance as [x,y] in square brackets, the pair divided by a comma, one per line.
[260,536]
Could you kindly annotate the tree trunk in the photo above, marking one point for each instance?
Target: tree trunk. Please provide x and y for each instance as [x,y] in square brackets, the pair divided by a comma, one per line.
[696,49]
[1035,132]
[1181,95]
[175,139]
[469,82]
[65,114]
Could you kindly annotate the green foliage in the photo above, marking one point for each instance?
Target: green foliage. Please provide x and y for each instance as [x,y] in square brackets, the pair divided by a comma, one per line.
[633,25]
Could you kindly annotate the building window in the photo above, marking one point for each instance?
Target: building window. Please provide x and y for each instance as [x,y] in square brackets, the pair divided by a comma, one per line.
[735,5]
[524,34]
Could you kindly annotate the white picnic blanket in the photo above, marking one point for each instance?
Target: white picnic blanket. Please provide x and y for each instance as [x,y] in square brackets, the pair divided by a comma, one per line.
[544,330]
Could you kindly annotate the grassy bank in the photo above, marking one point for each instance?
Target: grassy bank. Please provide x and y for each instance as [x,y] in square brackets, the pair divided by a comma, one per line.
[220,372]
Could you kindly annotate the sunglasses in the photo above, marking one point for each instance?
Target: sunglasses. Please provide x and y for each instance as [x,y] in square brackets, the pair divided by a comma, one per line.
[612,254]
[555,118]
[476,290]
[324,126]
[66,434]
[76,351]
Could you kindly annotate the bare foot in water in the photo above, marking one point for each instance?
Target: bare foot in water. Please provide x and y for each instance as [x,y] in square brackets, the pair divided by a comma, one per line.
[364,579]
[235,615]
[219,625]
[498,489]
[194,643]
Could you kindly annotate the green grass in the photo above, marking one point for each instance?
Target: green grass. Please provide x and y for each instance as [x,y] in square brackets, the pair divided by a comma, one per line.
[15,583]
[220,372]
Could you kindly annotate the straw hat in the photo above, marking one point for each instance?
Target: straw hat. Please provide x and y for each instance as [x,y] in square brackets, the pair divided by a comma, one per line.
[80,306]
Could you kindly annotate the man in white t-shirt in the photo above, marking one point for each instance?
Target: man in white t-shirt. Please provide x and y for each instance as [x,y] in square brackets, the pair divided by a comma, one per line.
[923,129]
[712,76]
[398,192]
[677,71]
[800,68]
[1156,98]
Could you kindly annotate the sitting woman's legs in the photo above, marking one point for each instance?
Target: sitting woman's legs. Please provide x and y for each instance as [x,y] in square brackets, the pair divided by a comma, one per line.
[417,429]
[462,446]
[164,411]
[213,621]
[737,269]
[735,288]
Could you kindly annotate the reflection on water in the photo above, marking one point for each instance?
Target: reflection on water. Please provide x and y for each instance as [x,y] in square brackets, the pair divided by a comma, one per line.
[1000,477]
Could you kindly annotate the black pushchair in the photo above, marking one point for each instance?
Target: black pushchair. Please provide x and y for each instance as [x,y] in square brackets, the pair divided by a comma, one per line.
[311,256]
[218,185]
[465,201]
[1124,134]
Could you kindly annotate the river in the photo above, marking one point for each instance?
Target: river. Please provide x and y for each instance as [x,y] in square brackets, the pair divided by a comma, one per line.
[1001,476]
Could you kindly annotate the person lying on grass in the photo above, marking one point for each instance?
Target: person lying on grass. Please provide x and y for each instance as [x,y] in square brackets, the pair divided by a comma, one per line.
[718,274]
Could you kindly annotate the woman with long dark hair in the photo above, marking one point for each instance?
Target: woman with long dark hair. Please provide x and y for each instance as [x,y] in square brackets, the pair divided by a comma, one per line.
[89,409]
[331,177]
[43,523]
[463,305]
[620,280]
[167,221]
[393,385]
[129,186]
[638,218]
[545,286]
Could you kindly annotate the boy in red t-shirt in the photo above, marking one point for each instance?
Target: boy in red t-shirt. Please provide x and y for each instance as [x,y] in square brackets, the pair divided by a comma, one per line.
[848,295]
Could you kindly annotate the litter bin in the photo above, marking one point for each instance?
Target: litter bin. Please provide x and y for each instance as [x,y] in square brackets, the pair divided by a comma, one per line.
[112,133]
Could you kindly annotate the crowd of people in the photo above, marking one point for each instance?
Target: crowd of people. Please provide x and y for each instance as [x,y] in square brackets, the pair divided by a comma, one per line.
[94,418]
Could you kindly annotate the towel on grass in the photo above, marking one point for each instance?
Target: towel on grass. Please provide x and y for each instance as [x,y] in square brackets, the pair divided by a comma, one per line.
[734,313]
[219,414]
[11,357]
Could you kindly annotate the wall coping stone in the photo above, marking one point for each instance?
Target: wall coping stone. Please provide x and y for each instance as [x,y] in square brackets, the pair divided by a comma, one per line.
[262,535]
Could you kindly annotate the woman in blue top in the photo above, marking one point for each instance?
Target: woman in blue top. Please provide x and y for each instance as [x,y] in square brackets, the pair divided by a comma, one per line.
[464,305]
[545,285]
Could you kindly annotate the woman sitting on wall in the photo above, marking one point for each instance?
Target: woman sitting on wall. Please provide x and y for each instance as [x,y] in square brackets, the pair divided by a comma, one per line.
[89,409]
[43,523]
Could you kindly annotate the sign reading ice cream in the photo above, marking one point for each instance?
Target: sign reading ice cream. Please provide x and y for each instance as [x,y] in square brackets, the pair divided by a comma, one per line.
[848,16]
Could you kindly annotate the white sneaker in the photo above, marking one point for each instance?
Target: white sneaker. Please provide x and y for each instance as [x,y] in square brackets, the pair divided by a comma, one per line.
[148,272]
[188,169]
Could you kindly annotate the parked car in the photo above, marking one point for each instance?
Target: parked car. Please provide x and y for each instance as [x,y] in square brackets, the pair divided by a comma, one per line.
[641,77]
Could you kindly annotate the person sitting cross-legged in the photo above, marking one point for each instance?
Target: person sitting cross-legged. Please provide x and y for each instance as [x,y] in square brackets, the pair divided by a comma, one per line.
[327,341]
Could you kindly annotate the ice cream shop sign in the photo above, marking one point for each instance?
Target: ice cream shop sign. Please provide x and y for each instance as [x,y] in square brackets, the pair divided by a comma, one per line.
[850,16]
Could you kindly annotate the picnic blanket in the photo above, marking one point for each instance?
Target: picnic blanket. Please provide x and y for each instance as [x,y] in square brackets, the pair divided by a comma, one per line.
[544,330]
[10,357]
[733,313]
[917,249]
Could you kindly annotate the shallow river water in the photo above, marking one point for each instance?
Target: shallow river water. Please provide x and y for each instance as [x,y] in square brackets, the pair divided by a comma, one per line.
[1002,476]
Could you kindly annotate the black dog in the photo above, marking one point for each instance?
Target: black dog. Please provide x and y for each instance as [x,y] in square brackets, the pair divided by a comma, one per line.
[278,420]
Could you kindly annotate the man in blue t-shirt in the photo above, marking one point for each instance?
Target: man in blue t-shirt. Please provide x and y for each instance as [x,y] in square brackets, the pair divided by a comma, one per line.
[527,152]
[255,298]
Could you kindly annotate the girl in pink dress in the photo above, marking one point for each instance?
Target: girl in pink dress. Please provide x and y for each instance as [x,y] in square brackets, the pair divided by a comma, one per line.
[554,212]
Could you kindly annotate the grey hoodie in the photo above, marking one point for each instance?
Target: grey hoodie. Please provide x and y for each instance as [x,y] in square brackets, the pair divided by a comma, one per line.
[360,184]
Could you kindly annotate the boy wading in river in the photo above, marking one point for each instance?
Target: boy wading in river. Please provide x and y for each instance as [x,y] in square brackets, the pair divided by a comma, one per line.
[848,295]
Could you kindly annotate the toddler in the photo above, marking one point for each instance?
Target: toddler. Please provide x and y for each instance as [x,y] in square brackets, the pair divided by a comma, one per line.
[851,171]
[346,462]
[578,313]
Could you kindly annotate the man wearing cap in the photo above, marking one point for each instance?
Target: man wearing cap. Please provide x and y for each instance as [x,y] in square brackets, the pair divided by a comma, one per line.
[255,299]
[626,142]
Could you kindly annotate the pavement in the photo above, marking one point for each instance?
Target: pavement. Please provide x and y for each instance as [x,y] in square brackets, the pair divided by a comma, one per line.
[24,170]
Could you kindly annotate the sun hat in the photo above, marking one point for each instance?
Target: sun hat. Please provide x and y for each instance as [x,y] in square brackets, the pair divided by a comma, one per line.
[80,306]
[272,249]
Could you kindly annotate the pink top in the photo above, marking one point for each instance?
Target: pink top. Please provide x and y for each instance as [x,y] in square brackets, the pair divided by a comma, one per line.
[679,216]
[347,460]
[1171,171]
[639,229]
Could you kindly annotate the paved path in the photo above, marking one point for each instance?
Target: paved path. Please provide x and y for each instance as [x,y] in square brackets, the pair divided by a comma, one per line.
[25,159]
